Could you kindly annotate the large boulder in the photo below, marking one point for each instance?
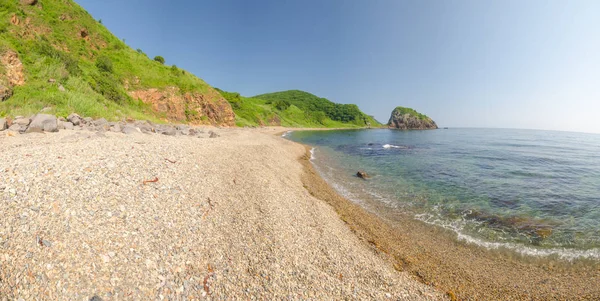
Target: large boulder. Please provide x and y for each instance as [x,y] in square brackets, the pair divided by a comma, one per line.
[409,119]
[43,123]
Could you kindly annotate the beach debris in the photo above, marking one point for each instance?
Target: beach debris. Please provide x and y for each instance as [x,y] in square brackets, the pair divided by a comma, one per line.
[151,181]
[211,272]
[170,161]
[361,174]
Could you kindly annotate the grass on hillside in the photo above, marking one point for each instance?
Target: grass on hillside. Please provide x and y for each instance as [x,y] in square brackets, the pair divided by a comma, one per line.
[412,112]
[57,39]
[254,111]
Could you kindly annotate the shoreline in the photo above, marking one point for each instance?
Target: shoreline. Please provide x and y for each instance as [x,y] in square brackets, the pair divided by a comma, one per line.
[463,271]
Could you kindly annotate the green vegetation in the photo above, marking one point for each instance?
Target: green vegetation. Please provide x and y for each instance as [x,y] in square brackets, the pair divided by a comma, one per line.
[62,42]
[295,109]
[159,59]
[412,112]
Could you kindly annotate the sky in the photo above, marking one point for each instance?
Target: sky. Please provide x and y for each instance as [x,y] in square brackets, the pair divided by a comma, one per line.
[503,64]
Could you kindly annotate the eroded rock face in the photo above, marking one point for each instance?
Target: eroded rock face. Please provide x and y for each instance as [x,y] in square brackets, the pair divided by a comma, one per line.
[408,121]
[13,74]
[28,2]
[196,108]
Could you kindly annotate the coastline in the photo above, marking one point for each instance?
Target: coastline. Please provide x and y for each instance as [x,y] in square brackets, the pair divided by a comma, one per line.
[463,271]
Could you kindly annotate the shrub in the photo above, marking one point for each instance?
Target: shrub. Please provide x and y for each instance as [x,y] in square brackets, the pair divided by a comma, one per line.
[108,86]
[43,47]
[104,64]
[159,59]
[281,105]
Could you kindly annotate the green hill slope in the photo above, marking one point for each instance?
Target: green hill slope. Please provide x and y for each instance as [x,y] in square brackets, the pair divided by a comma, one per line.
[295,108]
[55,56]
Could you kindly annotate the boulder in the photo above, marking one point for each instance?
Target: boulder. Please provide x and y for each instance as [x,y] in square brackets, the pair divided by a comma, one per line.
[43,123]
[115,127]
[22,121]
[67,125]
[17,128]
[168,130]
[361,174]
[87,120]
[213,134]
[144,126]
[130,129]
[101,124]
[74,119]
[3,124]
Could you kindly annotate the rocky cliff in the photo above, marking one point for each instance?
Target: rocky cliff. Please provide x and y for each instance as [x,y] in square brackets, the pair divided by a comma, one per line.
[408,119]
[56,58]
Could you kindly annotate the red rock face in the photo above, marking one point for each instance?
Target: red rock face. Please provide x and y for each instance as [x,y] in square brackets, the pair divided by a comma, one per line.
[13,74]
[195,108]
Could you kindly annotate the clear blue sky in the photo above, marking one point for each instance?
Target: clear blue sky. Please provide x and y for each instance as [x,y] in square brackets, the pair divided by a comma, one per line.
[517,64]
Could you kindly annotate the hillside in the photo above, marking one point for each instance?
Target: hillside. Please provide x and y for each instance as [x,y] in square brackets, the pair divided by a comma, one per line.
[295,109]
[55,57]
[408,119]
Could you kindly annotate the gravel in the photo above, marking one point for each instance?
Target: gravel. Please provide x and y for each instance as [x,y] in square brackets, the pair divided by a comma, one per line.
[149,216]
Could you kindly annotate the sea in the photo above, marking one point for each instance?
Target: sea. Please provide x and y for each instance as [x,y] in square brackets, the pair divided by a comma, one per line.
[533,192]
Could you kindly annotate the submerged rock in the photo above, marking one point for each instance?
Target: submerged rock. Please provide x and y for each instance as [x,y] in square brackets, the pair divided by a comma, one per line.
[361,174]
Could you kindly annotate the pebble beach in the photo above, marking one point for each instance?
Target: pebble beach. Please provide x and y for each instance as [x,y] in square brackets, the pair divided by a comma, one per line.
[90,215]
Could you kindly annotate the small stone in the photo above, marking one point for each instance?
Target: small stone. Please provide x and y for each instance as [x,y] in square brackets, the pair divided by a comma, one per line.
[105,258]
[51,80]
[95,298]
[88,120]
[61,88]
[213,134]
[47,243]
[388,295]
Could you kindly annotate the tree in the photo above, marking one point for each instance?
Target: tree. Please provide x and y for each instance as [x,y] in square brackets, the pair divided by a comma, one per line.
[159,59]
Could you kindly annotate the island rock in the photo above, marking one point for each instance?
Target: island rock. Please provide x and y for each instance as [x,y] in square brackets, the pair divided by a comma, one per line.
[408,119]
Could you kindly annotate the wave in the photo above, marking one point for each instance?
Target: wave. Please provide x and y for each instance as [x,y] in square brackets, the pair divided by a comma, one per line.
[387,146]
[286,134]
[562,253]
[312,153]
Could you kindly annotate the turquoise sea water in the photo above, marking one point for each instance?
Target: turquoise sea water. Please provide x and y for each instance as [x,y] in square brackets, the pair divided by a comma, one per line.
[534,192]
